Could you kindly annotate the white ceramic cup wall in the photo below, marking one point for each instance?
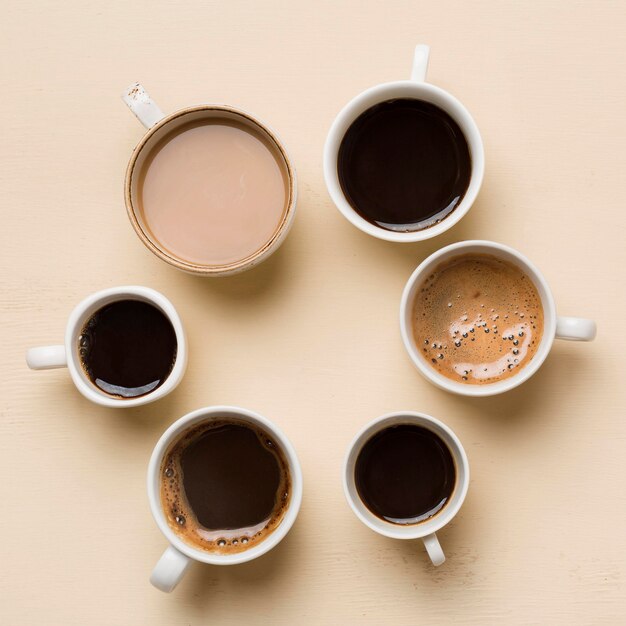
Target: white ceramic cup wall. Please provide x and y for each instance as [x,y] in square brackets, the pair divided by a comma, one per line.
[571,328]
[66,354]
[174,562]
[426,531]
[415,88]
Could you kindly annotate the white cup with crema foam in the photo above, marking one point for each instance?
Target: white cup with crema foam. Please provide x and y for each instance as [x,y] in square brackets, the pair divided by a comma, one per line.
[173,564]
[554,326]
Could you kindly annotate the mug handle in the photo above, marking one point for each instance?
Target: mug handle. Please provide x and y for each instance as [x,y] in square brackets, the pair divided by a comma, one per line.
[170,569]
[142,105]
[433,547]
[420,63]
[575,328]
[46,358]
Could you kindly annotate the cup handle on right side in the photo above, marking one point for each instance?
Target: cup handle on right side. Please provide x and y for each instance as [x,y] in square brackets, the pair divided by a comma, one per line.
[420,63]
[170,569]
[575,328]
[433,547]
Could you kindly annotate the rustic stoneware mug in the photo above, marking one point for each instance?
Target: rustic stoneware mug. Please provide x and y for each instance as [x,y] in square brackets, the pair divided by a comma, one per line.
[415,88]
[160,126]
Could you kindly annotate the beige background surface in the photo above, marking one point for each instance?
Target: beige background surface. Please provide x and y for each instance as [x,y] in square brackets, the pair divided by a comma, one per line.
[310,338]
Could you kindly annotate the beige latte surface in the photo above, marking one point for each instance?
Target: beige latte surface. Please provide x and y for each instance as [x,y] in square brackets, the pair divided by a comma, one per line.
[310,338]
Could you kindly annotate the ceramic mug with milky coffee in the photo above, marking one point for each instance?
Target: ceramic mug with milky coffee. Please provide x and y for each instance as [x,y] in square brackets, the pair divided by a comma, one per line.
[477,319]
[209,189]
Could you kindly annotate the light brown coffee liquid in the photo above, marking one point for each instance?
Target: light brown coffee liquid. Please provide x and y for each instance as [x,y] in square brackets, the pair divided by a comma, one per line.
[225,486]
[213,192]
[477,319]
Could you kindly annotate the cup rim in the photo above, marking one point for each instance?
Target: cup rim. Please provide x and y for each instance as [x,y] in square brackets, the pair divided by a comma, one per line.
[79,316]
[182,424]
[498,250]
[422,529]
[212,270]
[382,92]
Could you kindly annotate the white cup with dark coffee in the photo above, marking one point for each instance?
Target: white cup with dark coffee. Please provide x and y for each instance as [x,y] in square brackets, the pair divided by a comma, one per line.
[478,318]
[225,487]
[124,347]
[405,476]
[209,189]
[404,161]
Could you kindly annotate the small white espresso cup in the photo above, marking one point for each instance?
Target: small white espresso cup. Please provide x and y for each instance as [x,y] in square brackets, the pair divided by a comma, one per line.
[177,557]
[571,328]
[66,355]
[415,88]
[422,530]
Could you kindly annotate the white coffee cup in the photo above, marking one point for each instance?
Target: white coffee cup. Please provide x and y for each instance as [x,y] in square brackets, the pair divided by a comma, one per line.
[571,328]
[66,355]
[174,562]
[415,88]
[426,530]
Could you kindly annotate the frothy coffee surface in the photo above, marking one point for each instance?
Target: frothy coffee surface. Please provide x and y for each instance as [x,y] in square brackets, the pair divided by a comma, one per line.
[213,192]
[225,486]
[478,319]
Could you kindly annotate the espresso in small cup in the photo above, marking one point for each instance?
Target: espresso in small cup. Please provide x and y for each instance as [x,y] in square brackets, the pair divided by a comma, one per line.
[225,486]
[404,164]
[123,347]
[405,474]
[478,319]
[128,348]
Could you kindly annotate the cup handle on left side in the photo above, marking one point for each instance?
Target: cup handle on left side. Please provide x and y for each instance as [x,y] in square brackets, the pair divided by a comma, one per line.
[420,63]
[170,569]
[575,328]
[433,547]
[46,358]
[142,105]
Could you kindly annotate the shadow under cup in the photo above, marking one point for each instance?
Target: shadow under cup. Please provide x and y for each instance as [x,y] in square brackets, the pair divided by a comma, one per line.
[161,134]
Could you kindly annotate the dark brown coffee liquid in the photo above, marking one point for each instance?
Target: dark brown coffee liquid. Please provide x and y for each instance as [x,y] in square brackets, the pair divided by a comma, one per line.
[404,165]
[225,486]
[128,348]
[405,474]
